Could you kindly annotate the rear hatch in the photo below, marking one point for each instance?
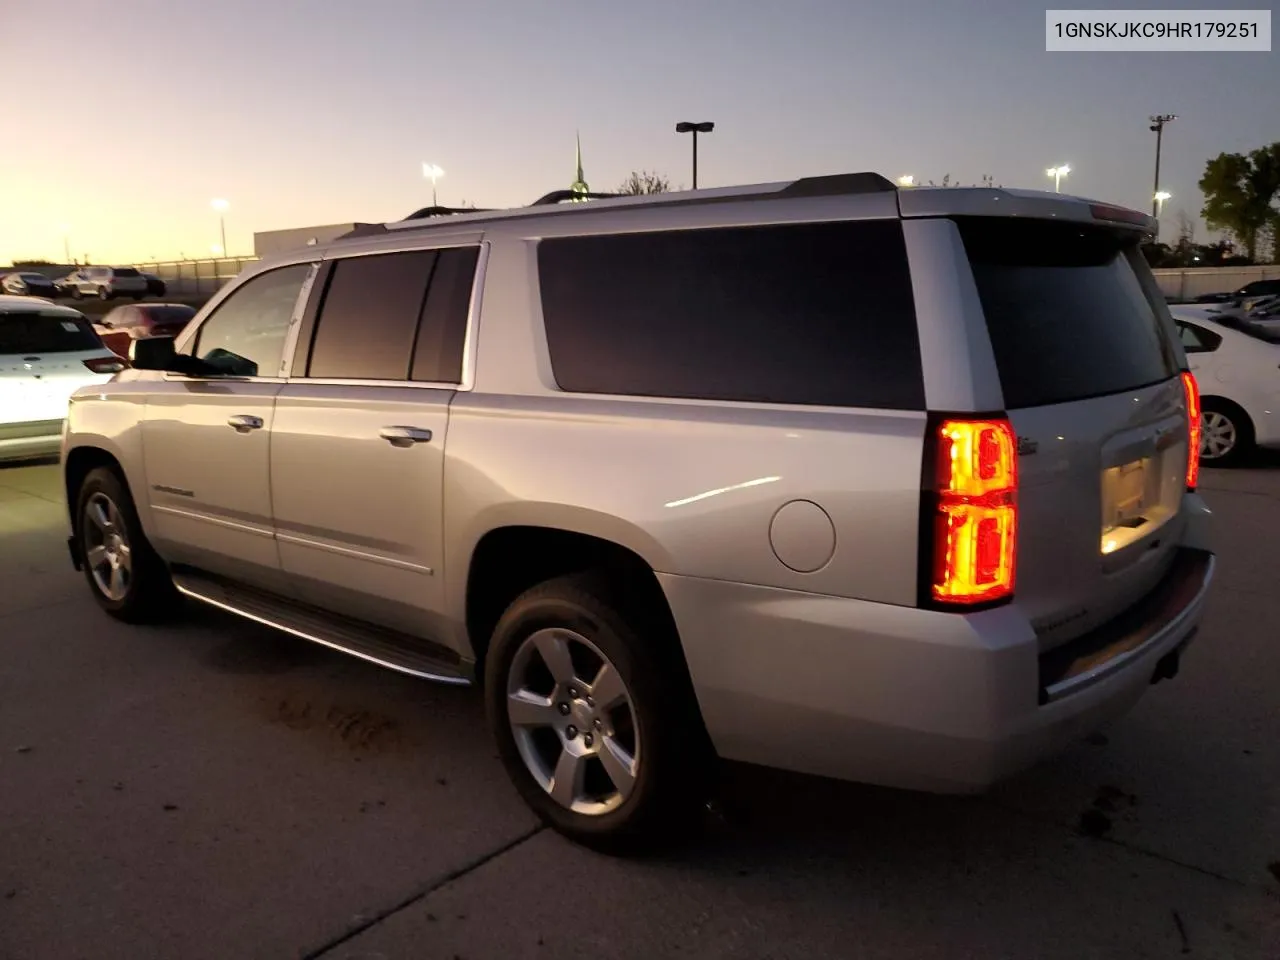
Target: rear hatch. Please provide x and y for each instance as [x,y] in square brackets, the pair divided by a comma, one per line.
[42,362]
[1090,371]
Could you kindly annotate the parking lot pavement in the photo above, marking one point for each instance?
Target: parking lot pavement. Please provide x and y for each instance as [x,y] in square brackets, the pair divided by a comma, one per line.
[213,789]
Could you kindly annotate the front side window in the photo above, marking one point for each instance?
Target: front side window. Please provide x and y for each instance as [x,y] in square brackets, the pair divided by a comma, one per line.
[245,336]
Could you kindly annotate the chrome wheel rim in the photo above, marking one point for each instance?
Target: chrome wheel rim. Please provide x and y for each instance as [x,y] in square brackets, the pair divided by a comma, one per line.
[1217,435]
[574,721]
[107,551]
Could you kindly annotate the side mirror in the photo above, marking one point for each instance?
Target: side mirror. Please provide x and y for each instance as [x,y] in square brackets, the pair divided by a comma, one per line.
[152,353]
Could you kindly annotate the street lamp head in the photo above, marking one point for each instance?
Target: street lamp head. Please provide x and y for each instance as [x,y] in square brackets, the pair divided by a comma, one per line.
[684,126]
[1162,196]
[431,171]
[906,181]
[219,205]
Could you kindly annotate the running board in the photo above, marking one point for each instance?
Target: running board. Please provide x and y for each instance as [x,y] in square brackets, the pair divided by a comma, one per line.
[387,648]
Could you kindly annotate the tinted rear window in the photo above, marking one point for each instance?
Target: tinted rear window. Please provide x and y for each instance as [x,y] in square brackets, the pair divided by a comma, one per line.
[168,315]
[1068,314]
[126,272]
[32,333]
[804,314]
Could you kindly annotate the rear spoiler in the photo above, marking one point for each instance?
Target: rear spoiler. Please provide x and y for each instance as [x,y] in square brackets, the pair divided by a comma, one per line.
[1029,204]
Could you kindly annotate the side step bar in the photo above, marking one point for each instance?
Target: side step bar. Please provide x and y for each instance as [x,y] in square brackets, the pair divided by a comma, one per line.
[387,648]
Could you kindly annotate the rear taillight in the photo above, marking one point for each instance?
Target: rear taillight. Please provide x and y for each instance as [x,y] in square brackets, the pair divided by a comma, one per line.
[973,511]
[1192,390]
[107,364]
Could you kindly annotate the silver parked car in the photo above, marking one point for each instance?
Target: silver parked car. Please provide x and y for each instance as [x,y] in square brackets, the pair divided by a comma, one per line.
[105,283]
[889,485]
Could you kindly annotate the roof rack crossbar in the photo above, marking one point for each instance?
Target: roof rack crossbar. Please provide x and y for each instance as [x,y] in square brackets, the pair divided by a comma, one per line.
[561,196]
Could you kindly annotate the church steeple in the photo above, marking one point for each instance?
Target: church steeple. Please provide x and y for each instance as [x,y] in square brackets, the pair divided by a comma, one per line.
[579,185]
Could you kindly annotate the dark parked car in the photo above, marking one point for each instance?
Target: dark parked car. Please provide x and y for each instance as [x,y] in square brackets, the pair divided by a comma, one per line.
[22,283]
[155,286]
[139,321]
[1259,288]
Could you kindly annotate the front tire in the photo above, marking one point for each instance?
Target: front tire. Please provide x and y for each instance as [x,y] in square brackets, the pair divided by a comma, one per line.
[77,293]
[579,697]
[1226,434]
[126,576]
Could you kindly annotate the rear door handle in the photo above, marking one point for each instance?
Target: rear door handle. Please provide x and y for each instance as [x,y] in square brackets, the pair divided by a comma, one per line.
[405,436]
[243,422]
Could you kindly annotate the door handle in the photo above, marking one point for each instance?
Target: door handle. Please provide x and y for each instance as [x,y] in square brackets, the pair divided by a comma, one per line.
[405,436]
[243,422]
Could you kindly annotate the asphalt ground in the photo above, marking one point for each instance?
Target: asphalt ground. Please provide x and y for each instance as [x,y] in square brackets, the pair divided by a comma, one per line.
[214,789]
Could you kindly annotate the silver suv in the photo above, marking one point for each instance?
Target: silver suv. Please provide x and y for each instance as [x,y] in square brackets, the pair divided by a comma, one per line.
[888,485]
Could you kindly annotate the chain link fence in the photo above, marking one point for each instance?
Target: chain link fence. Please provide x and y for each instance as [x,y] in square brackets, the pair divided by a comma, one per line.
[196,278]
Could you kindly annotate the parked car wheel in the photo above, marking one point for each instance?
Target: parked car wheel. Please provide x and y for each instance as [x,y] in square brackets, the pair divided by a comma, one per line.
[138,296]
[104,293]
[77,293]
[127,577]
[579,698]
[1226,433]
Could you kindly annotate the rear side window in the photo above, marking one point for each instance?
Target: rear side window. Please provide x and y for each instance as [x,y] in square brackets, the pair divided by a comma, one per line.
[126,272]
[369,316]
[437,356]
[802,314]
[31,333]
[1067,310]
[1198,339]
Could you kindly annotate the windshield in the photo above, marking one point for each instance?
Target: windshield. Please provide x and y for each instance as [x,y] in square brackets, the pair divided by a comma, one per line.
[1266,332]
[31,332]
[1068,312]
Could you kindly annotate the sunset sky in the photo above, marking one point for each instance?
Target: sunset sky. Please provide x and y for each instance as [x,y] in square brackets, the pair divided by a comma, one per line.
[123,120]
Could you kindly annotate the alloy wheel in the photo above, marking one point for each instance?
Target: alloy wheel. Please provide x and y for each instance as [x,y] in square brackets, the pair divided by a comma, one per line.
[107,551]
[1218,435]
[574,721]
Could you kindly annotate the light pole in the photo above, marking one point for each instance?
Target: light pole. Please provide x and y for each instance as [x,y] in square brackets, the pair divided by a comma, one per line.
[684,126]
[432,172]
[221,207]
[907,181]
[1157,127]
[1160,198]
[66,242]
[1058,173]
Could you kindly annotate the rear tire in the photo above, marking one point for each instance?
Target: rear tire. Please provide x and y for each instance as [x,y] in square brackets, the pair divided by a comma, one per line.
[125,574]
[596,743]
[1226,433]
[104,293]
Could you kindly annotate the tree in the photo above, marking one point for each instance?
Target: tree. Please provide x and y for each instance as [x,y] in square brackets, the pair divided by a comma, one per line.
[1239,192]
[643,182]
[19,262]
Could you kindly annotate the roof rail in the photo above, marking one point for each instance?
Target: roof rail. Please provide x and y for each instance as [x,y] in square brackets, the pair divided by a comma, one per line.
[426,212]
[838,183]
[561,196]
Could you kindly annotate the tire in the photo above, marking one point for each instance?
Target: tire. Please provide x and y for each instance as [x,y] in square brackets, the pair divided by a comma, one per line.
[77,293]
[138,296]
[1226,433]
[654,739]
[105,294]
[106,520]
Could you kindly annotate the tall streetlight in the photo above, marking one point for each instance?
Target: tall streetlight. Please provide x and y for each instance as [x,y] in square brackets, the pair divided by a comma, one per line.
[1160,198]
[1157,127]
[66,242]
[432,173]
[906,181]
[1058,173]
[684,126]
[221,207]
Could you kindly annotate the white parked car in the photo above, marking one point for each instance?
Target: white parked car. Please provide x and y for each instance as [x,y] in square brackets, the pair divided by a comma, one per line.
[106,283]
[1237,363]
[47,352]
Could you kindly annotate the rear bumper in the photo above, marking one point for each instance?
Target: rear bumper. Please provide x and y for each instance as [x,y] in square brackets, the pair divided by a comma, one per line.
[914,698]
